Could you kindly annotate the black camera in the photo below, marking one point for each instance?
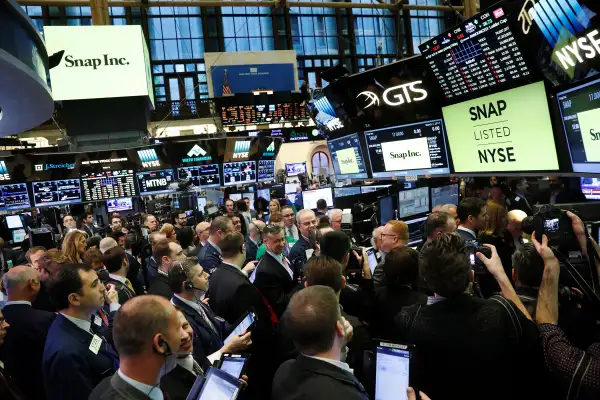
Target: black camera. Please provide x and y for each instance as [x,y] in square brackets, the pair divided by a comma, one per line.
[555,224]
[473,248]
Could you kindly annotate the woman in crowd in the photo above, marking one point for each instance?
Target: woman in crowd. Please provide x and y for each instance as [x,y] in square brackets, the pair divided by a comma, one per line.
[274,208]
[73,246]
[169,231]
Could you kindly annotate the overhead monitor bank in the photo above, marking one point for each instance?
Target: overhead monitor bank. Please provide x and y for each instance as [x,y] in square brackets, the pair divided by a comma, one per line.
[508,131]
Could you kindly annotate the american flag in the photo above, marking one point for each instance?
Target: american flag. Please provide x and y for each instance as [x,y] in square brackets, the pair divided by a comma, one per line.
[226,87]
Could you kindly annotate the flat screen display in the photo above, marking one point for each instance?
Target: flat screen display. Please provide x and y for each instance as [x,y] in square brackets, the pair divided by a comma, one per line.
[580,113]
[235,196]
[121,204]
[346,191]
[14,196]
[413,202]
[386,209]
[392,367]
[238,173]
[477,56]
[49,193]
[310,198]
[291,187]
[444,195]
[201,176]
[347,158]
[233,366]
[416,231]
[241,328]
[499,133]
[155,182]
[590,187]
[264,193]
[266,170]
[14,222]
[415,149]
[218,385]
[372,188]
[108,185]
[263,113]
[295,169]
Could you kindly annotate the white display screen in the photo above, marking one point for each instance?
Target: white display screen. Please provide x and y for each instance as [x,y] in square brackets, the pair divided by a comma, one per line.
[310,198]
[412,202]
[392,370]
[233,366]
[14,222]
[242,327]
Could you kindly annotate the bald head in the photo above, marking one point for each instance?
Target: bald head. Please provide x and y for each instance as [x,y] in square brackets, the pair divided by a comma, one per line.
[21,283]
[256,227]
[515,222]
[107,243]
[140,323]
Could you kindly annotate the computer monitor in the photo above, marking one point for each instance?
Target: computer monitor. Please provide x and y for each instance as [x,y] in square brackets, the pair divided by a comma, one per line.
[121,204]
[18,235]
[14,222]
[346,191]
[372,188]
[413,202]
[235,196]
[250,196]
[590,187]
[444,195]
[201,203]
[347,158]
[310,197]
[291,187]
[264,193]
[416,230]
[295,169]
[385,209]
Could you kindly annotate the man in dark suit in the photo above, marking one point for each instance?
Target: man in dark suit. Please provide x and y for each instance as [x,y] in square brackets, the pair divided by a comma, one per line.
[24,342]
[202,231]
[274,276]
[189,282]
[147,332]
[314,323]
[254,239]
[75,360]
[165,253]
[116,262]
[134,273]
[209,256]
[8,387]
[87,224]
[305,246]
[472,213]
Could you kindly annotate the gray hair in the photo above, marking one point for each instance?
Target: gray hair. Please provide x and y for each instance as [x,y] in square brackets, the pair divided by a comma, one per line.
[335,211]
[302,213]
[447,207]
[374,236]
[18,276]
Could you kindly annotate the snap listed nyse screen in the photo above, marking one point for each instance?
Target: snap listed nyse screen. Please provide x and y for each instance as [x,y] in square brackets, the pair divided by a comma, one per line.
[236,173]
[62,191]
[347,158]
[479,54]
[415,149]
[108,185]
[580,114]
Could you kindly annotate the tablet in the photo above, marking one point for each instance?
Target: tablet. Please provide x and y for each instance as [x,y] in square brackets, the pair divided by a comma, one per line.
[245,324]
[218,385]
[392,362]
[372,258]
[234,364]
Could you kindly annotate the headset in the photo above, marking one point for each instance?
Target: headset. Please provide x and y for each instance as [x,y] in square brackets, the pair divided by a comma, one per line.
[187,284]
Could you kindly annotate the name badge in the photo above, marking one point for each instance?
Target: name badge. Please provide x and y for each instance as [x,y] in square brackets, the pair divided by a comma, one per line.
[95,345]
[309,253]
[97,320]
[517,198]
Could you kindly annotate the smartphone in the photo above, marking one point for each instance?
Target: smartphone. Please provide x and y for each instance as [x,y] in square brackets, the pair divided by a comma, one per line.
[246,323]
[392,366]
[234,364]
[372,259]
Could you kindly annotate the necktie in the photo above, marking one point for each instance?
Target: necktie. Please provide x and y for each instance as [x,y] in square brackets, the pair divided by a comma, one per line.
[129,285]
[290,234]
[103,316]
[203,313]
[197,369]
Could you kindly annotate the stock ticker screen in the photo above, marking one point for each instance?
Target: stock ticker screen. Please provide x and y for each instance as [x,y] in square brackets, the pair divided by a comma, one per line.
[257,113]
[63,191]
[108,185]
[478,55]
[347,158]
[154,182]
[266,170]
[14,196]
[414,149]
[201,175]
[240,172]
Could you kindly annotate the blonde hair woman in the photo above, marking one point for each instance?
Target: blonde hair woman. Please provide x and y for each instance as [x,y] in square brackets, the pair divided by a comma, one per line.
[73,246]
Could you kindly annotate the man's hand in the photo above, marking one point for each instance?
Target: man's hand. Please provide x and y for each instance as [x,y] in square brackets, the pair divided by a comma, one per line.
[248,268]
[545,251]
[348,330]
[206,300]
[412,395]
[238,343]
[579,230]
[363,261]
[111,296]
[317,252]
[493,264]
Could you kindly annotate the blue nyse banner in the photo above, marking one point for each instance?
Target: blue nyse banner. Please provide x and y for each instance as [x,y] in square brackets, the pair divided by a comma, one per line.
[246,78]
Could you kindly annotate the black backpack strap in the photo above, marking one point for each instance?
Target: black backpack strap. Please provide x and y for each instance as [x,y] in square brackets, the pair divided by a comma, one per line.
[510,309]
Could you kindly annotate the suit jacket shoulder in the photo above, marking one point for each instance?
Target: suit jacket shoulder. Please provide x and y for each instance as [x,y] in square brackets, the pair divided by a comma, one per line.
[114,387]
[161,287]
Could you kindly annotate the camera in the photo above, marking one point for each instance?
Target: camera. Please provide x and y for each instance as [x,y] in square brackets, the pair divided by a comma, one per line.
[556,225]
[472,249]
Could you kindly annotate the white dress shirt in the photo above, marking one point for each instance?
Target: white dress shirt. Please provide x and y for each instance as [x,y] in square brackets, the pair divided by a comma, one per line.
[339,364]
[81,323]
[472,232]
[214,245]
[153,392]
[292,232]
[284,262]
[8,303]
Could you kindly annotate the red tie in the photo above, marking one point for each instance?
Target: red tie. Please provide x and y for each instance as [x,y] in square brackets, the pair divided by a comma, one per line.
[103,316]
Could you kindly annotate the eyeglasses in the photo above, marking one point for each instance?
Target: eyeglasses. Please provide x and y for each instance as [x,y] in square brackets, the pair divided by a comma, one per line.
[288,215]
[309,223]
[387,234]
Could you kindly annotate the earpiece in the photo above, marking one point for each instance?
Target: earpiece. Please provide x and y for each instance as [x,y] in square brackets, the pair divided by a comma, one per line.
[187,284]
[164,347]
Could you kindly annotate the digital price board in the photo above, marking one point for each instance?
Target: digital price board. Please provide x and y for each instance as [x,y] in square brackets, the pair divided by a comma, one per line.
[414,149]
[14,196]
[347,158]
[154,182]
[263,113]
[266,170]
[480,54]
[63,191]
[201,176]
[237,173]
[108,185]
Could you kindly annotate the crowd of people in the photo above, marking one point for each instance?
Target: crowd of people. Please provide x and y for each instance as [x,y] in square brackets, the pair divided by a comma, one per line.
[136,315]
